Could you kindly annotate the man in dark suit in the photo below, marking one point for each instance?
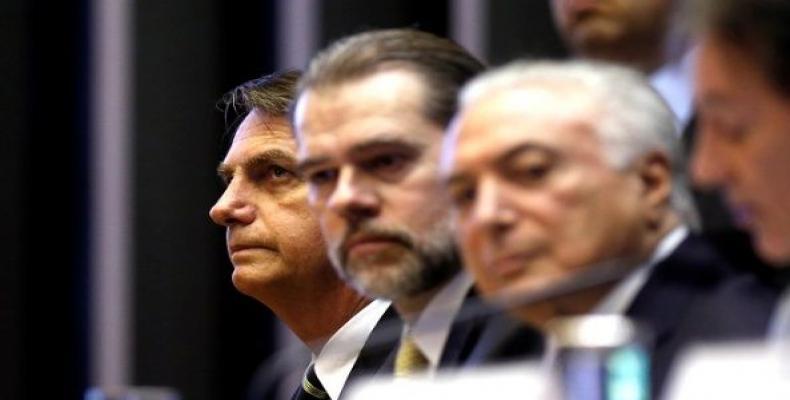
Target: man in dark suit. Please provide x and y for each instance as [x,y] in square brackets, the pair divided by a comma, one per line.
[369,121]
[567,184]
[742,93]
[274,241]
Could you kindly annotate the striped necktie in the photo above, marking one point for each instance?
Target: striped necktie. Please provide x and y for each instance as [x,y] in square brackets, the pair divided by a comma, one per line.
[311,388]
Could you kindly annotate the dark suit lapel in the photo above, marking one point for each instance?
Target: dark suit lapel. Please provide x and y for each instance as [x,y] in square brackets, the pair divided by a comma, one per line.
[693,270]
[481,334]
[462,334]
[378,354]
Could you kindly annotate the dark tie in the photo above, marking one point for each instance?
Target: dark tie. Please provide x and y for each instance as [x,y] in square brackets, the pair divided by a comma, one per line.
[311,388]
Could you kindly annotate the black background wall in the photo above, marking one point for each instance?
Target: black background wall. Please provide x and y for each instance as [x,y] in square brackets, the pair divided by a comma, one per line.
[192,331]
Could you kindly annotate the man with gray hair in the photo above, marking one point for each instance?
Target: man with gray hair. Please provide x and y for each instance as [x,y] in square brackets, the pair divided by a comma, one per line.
[568,187]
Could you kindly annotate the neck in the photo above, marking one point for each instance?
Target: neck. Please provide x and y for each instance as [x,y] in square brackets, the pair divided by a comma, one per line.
[409,307]
[315,312]
[646,59]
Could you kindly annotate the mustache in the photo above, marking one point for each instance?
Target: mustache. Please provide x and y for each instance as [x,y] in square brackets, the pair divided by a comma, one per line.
[370,231]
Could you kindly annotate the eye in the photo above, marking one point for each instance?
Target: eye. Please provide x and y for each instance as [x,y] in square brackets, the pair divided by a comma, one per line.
[463,196]
[463,192]
[532,167]
[535,172]
[384,162]
[386,165]
[278,172]
[321,177]
[731,131]
[272,174]
[732,126]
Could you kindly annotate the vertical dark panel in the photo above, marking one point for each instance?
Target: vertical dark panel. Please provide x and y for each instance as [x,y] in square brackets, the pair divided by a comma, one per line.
[175,303]
[246,331]
[520,28]
[13,97]
[51,218]
[344,17]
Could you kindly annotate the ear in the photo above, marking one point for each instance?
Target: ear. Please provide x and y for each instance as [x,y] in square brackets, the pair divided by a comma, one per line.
[655,175]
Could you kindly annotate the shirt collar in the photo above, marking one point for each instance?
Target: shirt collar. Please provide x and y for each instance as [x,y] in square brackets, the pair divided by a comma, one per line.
[621,297]
[336,359]
[432,327]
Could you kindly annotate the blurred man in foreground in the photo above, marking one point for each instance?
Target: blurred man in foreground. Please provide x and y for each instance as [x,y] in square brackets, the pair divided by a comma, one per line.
[369,119]
[743,97]
[275,243]
[568,185]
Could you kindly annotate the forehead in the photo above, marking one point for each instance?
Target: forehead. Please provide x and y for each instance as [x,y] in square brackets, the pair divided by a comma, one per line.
[545,117]
[724,70]
[384,103]
[259,131]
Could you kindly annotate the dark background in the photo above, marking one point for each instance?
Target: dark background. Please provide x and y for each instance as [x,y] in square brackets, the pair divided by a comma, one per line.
[192,331]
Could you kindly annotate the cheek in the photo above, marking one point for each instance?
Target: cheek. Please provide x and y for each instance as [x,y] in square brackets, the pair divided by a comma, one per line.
[472,250]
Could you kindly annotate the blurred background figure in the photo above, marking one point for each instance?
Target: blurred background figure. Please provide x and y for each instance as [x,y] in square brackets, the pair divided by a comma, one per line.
[275,243]
[647,35]
[635,33]
[743,98]
[567,184]
[370,118]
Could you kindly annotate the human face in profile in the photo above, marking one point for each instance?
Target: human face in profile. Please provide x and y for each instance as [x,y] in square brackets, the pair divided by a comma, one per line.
[273,239]
[743,144]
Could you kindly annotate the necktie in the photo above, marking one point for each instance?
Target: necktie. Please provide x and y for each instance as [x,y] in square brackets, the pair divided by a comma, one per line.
[409,360]
[311,388]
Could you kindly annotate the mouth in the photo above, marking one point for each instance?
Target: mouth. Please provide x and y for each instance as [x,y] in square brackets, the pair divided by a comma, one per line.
[511,264]
[364,245]
[238,248]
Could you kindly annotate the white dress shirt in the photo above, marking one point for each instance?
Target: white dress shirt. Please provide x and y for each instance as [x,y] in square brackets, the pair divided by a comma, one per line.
[620,298]
[334,362]
[673,81]
[431,329]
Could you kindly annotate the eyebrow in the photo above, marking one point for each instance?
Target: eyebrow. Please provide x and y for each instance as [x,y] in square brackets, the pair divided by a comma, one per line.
[309,163]
[265,157]
[384,141]
[369,145]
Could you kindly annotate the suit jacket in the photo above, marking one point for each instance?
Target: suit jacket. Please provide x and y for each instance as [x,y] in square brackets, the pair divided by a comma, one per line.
[482,334]
[479,335]
[668,302]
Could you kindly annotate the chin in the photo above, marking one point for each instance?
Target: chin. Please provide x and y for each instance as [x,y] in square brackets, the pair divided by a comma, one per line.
[251,282]
[774,251]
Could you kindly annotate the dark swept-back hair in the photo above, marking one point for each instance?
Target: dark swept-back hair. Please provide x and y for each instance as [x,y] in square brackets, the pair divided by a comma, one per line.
[443,65]
[758,28]
[272,94]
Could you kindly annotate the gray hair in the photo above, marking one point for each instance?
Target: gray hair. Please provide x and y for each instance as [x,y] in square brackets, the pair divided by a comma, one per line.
[633,120]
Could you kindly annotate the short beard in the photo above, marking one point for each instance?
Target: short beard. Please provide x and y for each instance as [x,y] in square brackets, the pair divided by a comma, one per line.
[423,267]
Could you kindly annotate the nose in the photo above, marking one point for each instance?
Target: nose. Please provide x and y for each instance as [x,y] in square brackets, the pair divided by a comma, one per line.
[352,197]
[491,211]
[707,160]
[233,207]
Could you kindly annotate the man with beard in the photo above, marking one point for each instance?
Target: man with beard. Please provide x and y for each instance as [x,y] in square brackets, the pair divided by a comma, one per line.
[369,120]
[275,244]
